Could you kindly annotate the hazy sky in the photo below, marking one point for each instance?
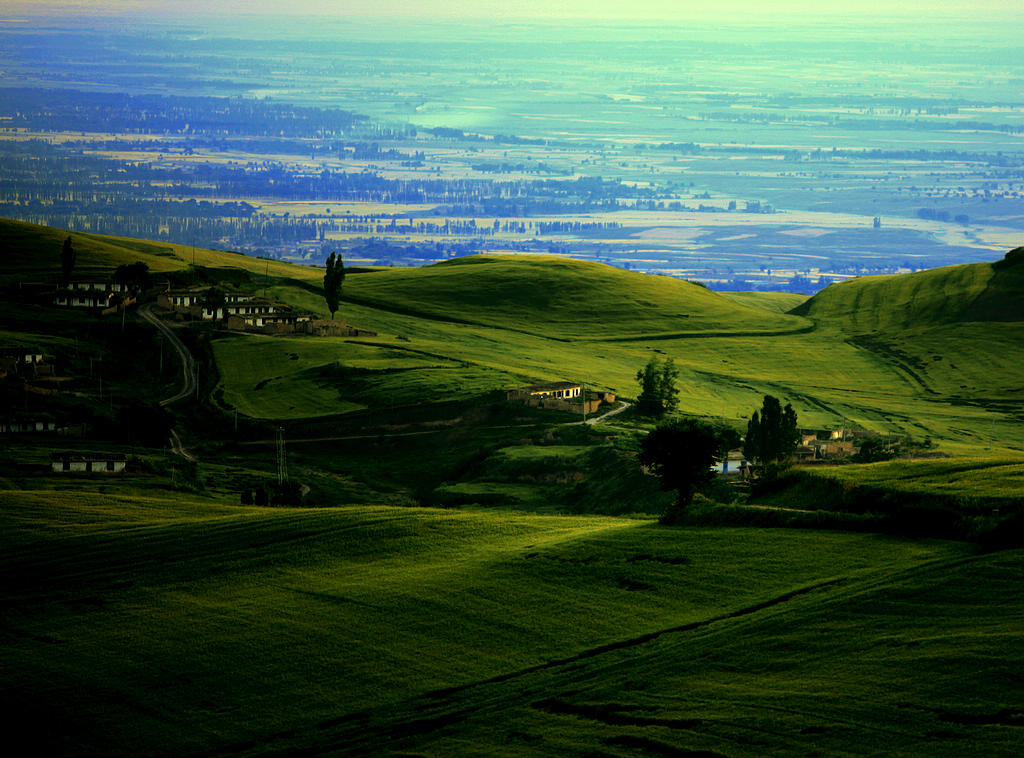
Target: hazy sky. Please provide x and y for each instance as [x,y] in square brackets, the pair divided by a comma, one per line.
[638,10]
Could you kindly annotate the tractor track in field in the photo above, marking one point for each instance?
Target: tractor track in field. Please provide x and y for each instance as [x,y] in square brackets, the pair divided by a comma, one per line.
[366,732]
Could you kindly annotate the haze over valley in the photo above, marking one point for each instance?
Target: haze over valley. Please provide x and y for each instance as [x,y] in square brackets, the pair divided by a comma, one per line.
[469,380]
[743,154]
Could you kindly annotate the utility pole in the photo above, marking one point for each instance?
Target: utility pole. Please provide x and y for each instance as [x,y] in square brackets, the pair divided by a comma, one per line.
[282,460]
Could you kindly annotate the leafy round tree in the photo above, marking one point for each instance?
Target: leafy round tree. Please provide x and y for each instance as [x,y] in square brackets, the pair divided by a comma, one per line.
[681,454]
[658,392]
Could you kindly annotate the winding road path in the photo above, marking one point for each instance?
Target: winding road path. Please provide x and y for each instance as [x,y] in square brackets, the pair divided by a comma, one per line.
[188,363]
[189,379]
[609,414]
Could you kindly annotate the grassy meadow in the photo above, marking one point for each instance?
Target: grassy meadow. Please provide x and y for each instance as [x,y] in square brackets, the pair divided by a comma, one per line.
[487,324]
[470,577]
[168,627]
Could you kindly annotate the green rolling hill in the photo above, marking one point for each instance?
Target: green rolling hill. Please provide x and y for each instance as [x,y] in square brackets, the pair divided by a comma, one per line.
[561,299]
[540,610]
[978,292]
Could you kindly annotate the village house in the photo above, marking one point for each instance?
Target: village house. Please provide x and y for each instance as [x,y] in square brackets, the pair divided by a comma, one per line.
[108,296]
[558,396]
[539,392]
[83,298]
[88,462]
[192,302]
[833,449]
[244,311]
[20,361]
[284,322]
[824,445]
[180,300]
[244,308]
[26,426]
[94,285]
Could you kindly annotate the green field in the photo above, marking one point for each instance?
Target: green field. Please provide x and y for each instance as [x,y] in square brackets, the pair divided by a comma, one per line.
[148,625]
[934,368]
[471,577]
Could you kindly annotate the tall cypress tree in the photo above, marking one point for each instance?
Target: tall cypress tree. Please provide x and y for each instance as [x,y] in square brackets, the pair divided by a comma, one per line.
[68,256]
[771,429]
[772,433]
[333,278]
[752,442]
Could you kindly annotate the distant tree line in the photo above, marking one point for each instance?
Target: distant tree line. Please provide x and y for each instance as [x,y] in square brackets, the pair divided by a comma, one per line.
[74,110]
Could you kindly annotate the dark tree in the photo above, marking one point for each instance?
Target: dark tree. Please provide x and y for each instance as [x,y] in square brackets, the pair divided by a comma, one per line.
[68,256]
[752,442]
[135,276]
[333,279]
[658,392]
[286,493]
[647,401]
[874,449]
[728,439]
[681,454]
[213,301]
[772,434]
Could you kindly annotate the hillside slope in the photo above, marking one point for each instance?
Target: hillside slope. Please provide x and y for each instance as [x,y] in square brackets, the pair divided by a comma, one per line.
[956,331]
[964,293]
[936,354]
[32,253]
[561,298]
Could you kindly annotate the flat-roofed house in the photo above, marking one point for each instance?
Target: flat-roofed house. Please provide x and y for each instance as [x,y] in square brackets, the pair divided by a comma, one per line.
[540,392]
[88,462]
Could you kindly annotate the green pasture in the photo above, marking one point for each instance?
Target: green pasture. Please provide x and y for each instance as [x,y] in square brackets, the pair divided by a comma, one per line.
[559,298]
[954,381]
[780,302]
[156,625]
[933,354]
[557,478]
[966,477]
[890,303]
[914,662]
[301,377]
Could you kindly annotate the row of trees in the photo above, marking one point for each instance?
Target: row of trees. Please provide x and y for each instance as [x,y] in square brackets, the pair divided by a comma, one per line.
[772,433]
